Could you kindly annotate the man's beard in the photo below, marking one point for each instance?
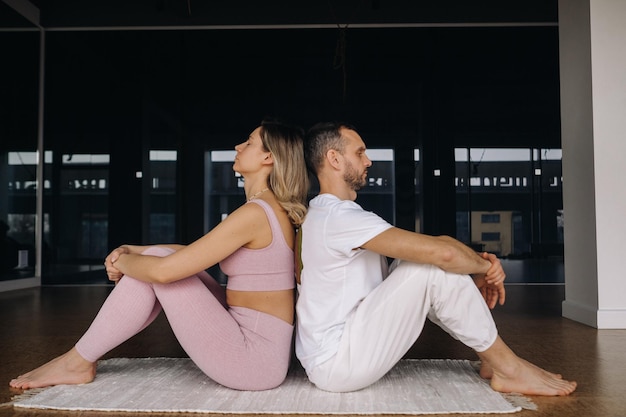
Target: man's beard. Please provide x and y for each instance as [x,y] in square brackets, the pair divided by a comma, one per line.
[354,180]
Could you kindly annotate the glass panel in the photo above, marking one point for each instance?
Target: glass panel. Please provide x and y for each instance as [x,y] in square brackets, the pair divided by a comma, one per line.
[461,179]
[162,223]
[19,97]
[418,191]
[223,187]
[509,202]
[378,195]
[549,200]
[17,224]
[76,234]
[223,190]
[494,184]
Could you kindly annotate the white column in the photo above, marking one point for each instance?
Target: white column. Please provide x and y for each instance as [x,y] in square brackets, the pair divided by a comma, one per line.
[592,38]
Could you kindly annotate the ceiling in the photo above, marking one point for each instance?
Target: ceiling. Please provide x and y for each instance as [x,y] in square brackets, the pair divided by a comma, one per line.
[74,14]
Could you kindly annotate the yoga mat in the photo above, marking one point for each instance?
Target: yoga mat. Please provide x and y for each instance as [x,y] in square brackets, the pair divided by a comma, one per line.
[412,387]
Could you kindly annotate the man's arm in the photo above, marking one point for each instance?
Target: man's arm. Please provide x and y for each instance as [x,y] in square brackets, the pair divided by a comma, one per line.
[443,251]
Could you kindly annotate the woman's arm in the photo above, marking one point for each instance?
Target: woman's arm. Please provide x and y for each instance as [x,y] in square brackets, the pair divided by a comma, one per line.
[138,249]
[115,274]
[246,226]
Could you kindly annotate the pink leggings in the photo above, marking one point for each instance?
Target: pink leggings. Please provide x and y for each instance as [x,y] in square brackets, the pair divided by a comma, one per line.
[237,347]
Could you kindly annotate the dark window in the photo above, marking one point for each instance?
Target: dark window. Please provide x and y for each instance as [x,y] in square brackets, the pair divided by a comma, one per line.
[490,236]
[490,218]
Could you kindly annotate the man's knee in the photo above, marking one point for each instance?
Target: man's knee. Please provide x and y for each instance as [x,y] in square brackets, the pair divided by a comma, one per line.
[413,269]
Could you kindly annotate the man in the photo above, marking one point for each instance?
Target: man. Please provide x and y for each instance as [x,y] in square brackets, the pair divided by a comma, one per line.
[356,317]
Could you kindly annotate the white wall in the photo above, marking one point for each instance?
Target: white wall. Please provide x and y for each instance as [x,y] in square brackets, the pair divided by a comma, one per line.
[608,55]
[592,36]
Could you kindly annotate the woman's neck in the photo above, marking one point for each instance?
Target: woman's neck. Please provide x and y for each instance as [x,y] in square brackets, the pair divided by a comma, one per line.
[254,189]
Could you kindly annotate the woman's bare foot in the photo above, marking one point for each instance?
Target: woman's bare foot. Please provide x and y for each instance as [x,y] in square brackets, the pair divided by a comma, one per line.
[510,373]
[69,368]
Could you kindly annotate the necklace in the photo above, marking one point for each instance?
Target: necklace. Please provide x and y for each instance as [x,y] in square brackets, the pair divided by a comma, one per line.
[257,194]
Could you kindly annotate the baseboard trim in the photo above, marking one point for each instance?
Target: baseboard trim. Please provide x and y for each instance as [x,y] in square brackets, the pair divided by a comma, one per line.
[594,317]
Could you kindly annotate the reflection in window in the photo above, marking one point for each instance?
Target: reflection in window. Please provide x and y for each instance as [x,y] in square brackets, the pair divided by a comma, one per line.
[490,218]
[23,170]
[380,174]
[490,236]
[18,171]
[223,187]
[162,221]
[485,168]
[223,193]
[504,192]
[378,195]
[75,237]
[418,190]
[84,173]
[85,159]
[84,180]
[548,163]
[28,158]
[93,226]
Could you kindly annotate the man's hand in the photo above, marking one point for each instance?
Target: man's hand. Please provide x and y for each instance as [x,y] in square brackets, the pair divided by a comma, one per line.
[113,273]
[491,284]
[495,275]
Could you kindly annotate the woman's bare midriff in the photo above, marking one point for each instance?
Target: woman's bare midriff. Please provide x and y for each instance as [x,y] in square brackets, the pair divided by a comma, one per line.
[277,303]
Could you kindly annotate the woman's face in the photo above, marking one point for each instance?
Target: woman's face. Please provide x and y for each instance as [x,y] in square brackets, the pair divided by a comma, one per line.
[250,154]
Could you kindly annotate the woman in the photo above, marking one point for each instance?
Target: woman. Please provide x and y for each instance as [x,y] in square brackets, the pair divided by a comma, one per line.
[240,337]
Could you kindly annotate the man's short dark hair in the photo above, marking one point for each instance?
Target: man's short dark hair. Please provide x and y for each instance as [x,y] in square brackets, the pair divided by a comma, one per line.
[321,138]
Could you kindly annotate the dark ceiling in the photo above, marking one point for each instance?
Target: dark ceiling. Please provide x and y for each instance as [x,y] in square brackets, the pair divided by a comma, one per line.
[57,14]
[487,81]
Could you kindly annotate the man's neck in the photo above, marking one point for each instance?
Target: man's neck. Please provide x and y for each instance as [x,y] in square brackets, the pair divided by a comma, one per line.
[342,193]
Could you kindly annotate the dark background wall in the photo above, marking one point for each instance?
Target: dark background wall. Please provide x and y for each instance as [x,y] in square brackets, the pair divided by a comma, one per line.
[433,76]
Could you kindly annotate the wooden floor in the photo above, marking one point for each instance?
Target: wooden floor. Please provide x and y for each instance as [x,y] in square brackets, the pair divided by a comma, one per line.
[39,324]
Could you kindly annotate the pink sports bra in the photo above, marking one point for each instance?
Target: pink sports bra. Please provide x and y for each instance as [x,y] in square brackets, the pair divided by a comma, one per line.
[267,269]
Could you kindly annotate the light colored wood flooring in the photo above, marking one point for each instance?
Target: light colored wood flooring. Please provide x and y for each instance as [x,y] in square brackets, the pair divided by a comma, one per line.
[39,324]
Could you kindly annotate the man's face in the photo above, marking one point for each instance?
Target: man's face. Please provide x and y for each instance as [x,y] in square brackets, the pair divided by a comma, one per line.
[356,161]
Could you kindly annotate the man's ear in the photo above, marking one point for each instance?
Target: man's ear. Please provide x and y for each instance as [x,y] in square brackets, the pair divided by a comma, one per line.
[332,156]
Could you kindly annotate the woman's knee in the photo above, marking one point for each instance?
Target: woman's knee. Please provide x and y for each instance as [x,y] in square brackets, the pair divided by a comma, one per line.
[158,251]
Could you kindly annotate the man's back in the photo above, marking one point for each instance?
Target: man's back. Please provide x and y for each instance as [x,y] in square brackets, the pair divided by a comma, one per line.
[336,275]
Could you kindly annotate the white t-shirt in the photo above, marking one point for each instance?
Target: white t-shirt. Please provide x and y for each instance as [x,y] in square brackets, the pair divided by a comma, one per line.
[336,274]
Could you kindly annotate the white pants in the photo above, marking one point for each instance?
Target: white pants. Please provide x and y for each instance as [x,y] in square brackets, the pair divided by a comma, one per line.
[390,319]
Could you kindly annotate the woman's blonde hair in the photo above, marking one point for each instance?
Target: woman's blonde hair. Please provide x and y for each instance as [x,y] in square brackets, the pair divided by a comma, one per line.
[288,180]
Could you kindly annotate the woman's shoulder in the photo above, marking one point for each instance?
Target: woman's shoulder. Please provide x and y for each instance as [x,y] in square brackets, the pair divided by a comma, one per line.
[260,208]
[250,209]
[244,216]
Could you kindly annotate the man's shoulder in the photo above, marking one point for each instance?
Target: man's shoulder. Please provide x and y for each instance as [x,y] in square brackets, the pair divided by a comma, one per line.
[332,202]
[333,212]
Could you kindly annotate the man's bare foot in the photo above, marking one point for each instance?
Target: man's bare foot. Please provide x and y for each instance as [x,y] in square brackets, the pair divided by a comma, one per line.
[526,378]
[69,368]
[486,371]
[510,373]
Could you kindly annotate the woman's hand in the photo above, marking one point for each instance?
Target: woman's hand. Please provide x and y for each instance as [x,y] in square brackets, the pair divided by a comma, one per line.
[113,273]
